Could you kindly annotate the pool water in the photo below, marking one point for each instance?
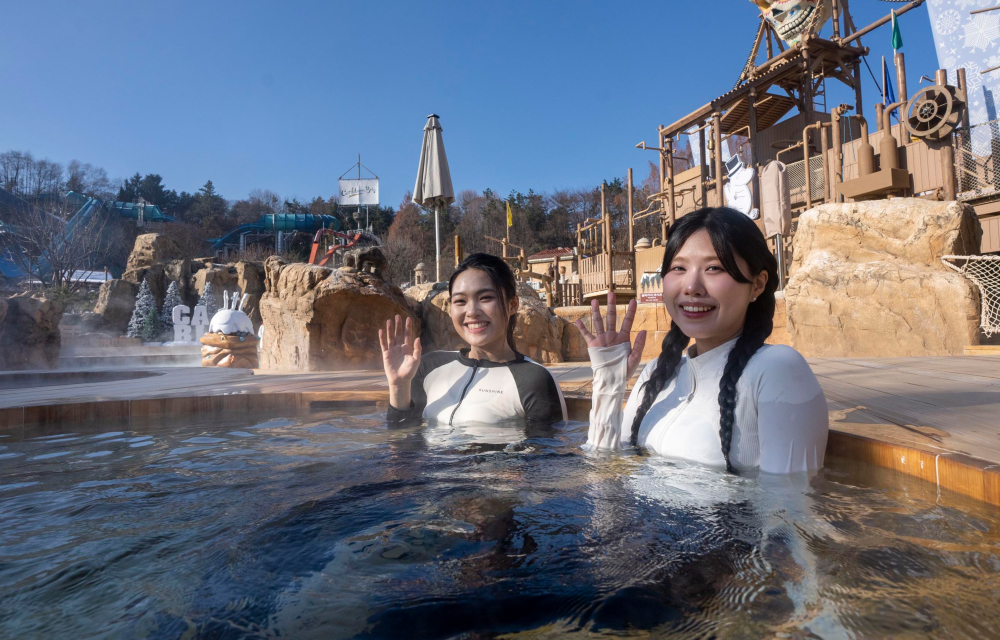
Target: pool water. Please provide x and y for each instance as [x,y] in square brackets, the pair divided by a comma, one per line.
[333,526]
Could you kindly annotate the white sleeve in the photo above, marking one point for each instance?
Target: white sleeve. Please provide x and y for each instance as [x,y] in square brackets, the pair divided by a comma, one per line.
[610,366]
[792,417]
[607,419]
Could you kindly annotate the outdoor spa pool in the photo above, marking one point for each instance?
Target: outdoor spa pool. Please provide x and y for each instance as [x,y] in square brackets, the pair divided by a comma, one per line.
[333,526]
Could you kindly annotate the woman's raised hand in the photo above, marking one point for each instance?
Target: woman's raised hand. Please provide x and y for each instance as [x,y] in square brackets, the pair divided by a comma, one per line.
[610,337]
[400,359]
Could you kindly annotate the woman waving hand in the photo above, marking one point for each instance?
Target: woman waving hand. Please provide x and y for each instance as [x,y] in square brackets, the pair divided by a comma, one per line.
[728,400]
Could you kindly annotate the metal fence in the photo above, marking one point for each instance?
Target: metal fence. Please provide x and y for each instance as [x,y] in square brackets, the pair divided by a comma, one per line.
[977,154]
[795,172]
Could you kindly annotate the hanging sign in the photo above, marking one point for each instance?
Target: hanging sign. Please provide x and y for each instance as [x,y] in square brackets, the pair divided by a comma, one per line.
[189,326]
[358,191]
[651,287]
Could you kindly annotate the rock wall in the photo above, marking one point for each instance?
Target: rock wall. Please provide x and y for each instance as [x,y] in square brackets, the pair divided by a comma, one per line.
[115,302]
[651,318]
[154,258]
[322,319]
[150,249]
[538,332]
[867,280]
[29,332]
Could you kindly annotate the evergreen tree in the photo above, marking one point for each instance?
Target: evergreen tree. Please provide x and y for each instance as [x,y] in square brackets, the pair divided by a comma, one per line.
[143,303]
[207,300]
[151,326]
[171,300]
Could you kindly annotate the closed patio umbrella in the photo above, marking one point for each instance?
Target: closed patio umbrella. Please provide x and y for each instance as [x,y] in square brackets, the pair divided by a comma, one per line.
[433,188]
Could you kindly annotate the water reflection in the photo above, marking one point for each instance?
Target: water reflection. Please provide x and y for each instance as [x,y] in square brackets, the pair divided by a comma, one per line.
[335,526]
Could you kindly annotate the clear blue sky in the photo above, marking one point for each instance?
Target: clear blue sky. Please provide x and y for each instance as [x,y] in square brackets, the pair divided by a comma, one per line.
[542,95]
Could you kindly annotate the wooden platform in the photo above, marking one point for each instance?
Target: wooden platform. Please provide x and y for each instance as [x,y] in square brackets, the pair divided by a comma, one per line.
[935,418]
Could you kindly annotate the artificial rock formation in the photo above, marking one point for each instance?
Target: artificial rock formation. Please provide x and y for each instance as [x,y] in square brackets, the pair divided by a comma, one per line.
[154,260]
[150,249]
[321,319]
[115,303]
[430,302]
[867,280]
[538,332]
[29,332]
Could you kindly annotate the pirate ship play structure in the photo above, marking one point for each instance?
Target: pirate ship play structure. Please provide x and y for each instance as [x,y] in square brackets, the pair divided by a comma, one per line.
[776,113]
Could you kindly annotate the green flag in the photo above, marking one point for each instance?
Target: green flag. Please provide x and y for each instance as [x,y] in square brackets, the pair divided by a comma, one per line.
[897,38]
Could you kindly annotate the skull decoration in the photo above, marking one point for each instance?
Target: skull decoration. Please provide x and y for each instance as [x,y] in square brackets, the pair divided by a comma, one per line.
[231,319]
[791,19]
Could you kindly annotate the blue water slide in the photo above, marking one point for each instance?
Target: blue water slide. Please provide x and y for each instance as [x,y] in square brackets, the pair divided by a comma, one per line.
[274,222]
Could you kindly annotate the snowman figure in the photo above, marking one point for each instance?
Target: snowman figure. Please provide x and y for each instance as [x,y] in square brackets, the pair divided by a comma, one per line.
[231,319]
[737,190]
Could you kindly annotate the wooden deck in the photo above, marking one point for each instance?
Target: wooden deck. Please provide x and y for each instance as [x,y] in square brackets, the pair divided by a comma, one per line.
[936,418]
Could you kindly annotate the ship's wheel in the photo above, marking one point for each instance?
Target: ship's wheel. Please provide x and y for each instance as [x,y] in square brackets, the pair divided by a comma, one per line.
[934,111]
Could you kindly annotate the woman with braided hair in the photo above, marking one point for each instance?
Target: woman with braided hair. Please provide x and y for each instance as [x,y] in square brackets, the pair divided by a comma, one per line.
[728,400]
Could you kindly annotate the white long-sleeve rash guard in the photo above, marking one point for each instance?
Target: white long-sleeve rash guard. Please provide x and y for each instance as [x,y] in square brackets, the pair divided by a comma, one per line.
[781,415]
[452,388]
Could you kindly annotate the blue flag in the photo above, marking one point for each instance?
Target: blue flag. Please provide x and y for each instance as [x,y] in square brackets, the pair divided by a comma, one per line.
[888,94]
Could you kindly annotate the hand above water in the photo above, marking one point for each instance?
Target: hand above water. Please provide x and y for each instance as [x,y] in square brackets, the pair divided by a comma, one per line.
[400,359]
[610,337]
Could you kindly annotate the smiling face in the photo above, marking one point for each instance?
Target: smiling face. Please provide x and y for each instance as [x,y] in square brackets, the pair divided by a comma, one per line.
[706,302]
[479,314]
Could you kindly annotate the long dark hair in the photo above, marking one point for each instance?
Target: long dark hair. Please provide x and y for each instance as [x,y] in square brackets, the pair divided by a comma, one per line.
[503,281]
[733,234]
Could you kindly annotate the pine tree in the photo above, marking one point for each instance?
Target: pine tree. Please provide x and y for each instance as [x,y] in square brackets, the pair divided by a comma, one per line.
[171,300]
[207,300]
[143,303]
[151,327]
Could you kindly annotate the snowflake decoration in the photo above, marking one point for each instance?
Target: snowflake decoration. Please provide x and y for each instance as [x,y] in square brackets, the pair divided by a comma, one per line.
[981,140]
[981,30]
[973,79]
[965,4]
[948,21]
[991,62]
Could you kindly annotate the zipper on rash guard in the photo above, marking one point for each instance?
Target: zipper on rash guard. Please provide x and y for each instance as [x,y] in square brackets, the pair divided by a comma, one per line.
[462,397]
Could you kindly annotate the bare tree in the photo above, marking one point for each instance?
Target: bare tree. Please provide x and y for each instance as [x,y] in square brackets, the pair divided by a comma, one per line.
[85,178]
[49,249]
[404,243]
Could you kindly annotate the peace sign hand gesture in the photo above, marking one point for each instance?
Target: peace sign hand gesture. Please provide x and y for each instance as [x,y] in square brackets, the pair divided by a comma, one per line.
[610,337]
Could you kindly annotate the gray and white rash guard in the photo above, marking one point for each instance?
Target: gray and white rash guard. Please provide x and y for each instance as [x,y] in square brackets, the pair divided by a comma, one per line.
[452,388]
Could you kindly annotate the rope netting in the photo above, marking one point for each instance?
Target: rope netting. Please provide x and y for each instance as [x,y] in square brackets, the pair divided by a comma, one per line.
[984,272]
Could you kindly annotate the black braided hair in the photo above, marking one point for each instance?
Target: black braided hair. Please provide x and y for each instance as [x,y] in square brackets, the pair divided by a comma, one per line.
[670,356]
[733,236]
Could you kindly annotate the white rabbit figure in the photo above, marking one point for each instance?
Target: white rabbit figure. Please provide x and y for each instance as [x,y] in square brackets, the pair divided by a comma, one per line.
[231,319]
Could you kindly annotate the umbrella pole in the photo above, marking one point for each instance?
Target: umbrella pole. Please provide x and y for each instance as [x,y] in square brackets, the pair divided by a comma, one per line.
[437,242]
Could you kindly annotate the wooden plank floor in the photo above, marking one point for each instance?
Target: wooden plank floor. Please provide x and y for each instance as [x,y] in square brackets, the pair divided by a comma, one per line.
[947,404]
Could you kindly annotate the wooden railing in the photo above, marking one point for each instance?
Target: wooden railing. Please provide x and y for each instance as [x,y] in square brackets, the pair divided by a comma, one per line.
[595,274]
[569,294]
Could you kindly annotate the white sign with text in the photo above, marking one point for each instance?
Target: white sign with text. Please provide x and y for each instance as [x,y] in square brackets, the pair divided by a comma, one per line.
[189,326]
[358,191]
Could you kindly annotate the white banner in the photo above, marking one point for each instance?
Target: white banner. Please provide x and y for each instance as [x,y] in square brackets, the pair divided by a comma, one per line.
[358,191]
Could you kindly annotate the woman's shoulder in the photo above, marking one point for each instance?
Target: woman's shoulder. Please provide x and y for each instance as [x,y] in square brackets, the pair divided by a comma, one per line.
[435,359]
[772,357]
[780,367]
